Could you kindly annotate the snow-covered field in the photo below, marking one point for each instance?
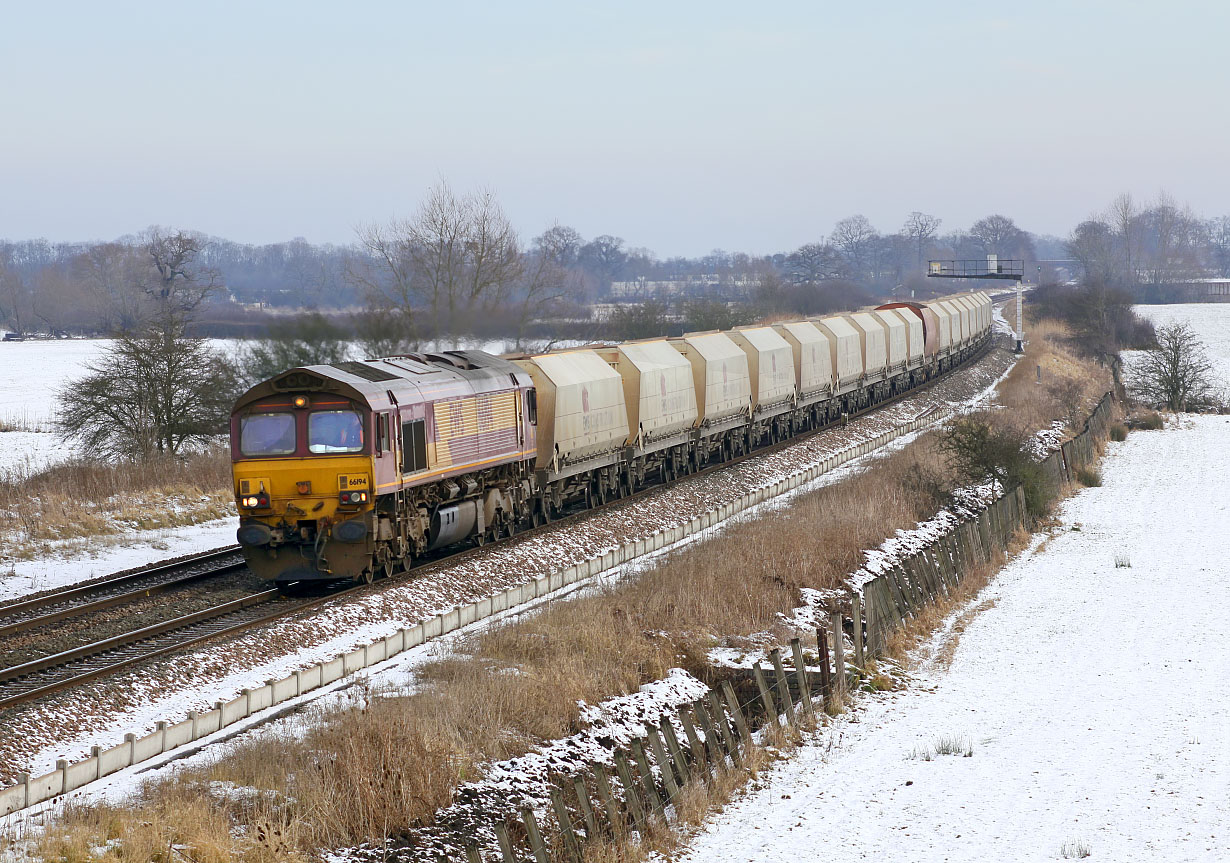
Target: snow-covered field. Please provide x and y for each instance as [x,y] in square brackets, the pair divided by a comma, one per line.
[1090,696]
[31,374]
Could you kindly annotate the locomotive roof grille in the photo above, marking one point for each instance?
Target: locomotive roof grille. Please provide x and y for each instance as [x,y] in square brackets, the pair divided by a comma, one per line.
[362,370]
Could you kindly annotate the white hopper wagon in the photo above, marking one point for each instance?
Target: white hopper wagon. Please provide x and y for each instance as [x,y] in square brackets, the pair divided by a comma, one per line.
[874,338]
[813,360]
[846,351]
[582,417]
[898,340]
[658,391]
[770,366]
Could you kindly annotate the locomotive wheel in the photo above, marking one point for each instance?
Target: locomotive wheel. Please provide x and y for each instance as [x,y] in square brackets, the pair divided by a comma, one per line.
[480,538]
[368,575]
[390,565]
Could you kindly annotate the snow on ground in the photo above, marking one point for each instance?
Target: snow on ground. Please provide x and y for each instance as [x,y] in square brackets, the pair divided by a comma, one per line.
[1090,696]
[31,373]
[140,548]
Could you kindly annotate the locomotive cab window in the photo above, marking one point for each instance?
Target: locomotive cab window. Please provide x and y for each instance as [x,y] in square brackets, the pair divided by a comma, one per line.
[335,432]
[413,446]
[267,434]
[531,406]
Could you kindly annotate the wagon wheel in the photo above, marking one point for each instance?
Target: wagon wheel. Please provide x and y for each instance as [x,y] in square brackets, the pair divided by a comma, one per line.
[369,574]
[510,527]
[480,538]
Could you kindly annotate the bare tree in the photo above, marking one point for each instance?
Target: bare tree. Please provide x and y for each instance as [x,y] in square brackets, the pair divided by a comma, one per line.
[814,262]
[177,280]
[921,229]
[560,243]
[854,236]
[1092,244]
[147,396]
[458,255]
[1124,218]
[1176,374]
[996,235]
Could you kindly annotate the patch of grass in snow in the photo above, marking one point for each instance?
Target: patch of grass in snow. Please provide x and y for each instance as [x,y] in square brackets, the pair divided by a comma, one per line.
[79,500]
[1075,849]
[1122,561]
[954,745]
[1118,432]
[1090,476]
[1151,421]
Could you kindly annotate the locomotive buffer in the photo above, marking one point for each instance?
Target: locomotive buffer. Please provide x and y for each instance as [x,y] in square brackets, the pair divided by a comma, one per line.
[991,268]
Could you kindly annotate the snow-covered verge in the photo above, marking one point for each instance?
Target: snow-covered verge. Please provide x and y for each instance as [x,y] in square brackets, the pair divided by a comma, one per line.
[130,549]
[1085,691]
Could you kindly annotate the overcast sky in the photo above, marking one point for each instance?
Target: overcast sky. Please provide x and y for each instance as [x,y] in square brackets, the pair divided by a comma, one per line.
[682,127]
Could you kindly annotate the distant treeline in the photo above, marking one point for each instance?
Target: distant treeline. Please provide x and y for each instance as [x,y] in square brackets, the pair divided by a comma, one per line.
[457,267]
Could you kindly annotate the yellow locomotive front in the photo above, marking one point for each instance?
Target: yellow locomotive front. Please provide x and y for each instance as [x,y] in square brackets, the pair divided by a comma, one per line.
[303,471]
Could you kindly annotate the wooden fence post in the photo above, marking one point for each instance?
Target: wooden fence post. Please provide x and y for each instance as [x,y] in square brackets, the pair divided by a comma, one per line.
[647,783]
[603,783]
[673,750]
[839,660]
[587,811]
[631,794]
[664,764]
[736,712]
[822,649]
[718,712]
[770,709]
[699,755]
[856,606]
[800,671]
[713,742]
[571,846]
[506,846]
[537,848]
[783,683]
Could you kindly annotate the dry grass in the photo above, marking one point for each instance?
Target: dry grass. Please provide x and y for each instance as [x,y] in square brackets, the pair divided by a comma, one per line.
[1118,432]
[1070,385]
[81,499]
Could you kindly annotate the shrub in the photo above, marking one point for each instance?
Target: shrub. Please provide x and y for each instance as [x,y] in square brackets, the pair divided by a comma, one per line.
[1118,432]
[1090,477]
[1151,421]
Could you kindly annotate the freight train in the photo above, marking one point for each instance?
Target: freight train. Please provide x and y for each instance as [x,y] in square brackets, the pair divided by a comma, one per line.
[354,469]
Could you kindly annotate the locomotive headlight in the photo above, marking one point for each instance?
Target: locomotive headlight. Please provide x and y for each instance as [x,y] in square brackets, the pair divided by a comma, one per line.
[300,401]
[249,501]
[352,497]
[254,502]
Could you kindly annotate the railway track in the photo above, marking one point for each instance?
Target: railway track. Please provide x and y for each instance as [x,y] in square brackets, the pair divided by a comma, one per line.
[77,600]
[45,676]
